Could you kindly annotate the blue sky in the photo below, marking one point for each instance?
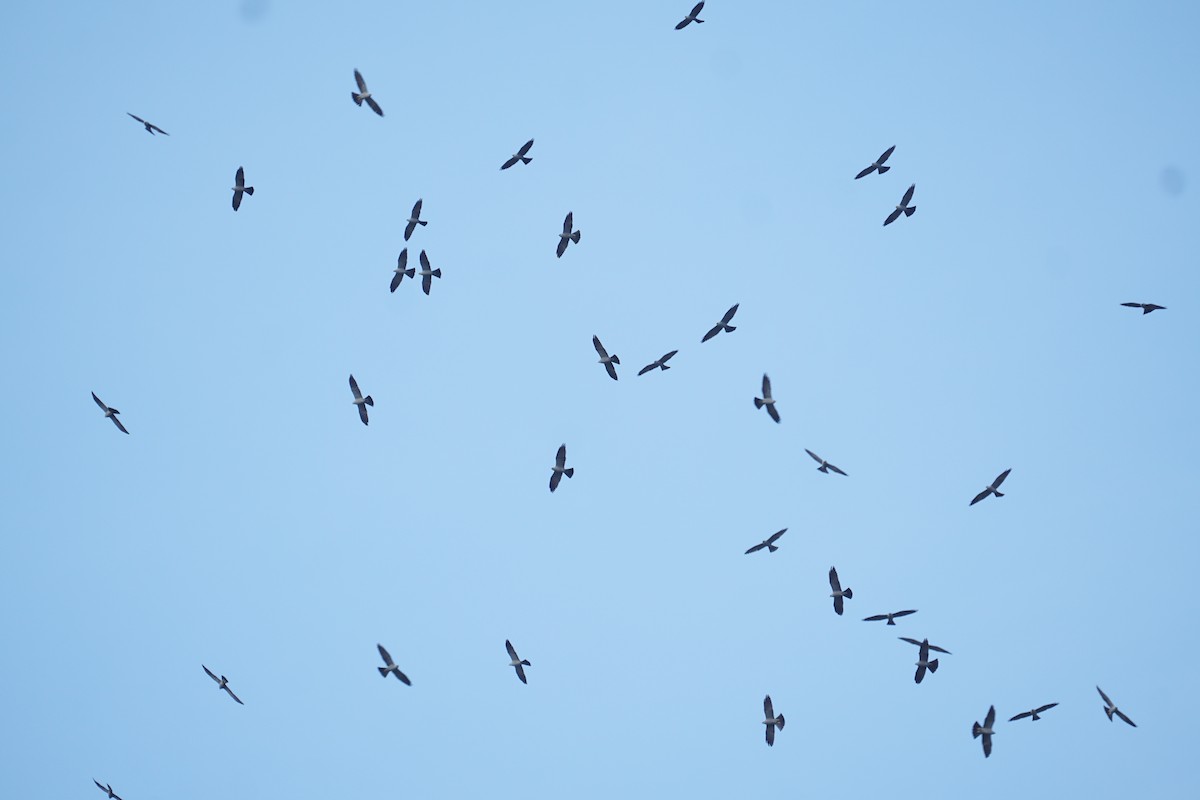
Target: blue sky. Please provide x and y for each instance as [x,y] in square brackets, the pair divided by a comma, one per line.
[251,523]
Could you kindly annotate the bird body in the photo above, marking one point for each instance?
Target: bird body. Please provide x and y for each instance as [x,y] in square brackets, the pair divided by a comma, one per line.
[427,273]
[877,164]
[515,661]
[402,270]
[106,787]
[985,730]
[923,662]
[993,487]
[560,468]
[891,618]
[414,219]
[838,592]
[692,17]
[723,325]
[768,543]
[223,683]
[660,364]
[605,359]
[772,720]
[390,666]
[519,156]
[766,399]
[150,127]
[569,235]
[903,207]
[360,401]
[363,95]
[1110,708]
[110,413]
[825,465]
[1034,713]
[1145,307]
[239,188]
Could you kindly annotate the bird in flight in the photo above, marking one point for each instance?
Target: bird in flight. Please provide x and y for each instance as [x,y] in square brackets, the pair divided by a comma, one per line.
[360,401]
[904,208]
[150,129]
[107,789]
[924,663]
[110,413]
[660,364]
[825,465]
[605,358]
[932,647]
[1145,307]
[688,20]
[877,164]
[768,543]
[391,666]
[402,270]
[767,400]
[985,730]
[723,325]
[891,618]
[239,186]
[568,234]
[363,94]
[427,274]
[771,721]
[838,592]
[560,468]
[519,156]
[223,683]
[1035,713]
[993,487]
[516,662]
[1110,708]
[414,219]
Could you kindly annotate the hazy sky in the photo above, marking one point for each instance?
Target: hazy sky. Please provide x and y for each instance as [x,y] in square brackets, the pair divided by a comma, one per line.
[251,523]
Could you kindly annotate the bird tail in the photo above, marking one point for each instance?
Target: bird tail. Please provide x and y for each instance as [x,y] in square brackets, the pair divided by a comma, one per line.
[975,731]
[383,671]
[701,22]
[357,98]
[848,594]
[779,722]
[908,212]
[616,360]
[891,621]
[525,663]
[569,472]
[437,273]
[998,494]
[823,468]
[369,401]
[933,665]
[575,237]
[664,366]
[113,410]
[250,190]
[525,159]
[410,272]
[730,329]
[422,222]
[1109,711]
[1145,311]
[771,548]
[758,403]
[883,169]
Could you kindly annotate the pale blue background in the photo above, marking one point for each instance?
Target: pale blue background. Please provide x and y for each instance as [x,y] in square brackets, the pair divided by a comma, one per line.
[251,523]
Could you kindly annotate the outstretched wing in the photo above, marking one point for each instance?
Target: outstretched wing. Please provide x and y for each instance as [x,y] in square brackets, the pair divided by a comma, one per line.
[835,469]
[374,106]
[865,172]
[210,674]
[990,719]
[713,331]
[139,119]
[510,162]
[416,212]
[1046,707]
[839,605]
[240,179]
[100,402]
[512,653]
[599,347]
[387,657]
[987,745]
[560,458]
[980,496]
[1121,714]
[813,455]
[569,222]
[362,413]
[772,412]
[667,357]
[234,696]
[403,678]
[1022,715]
[756,548]
[1127,305]
[911,641]
[774,537]
[562,246]
[1000,478]
[905,614]
[886,153]
[766,386]
[725,320]
[521,673]
[768,709]
[555,479]
[875,618]
[160,130]
[117,422]
[892,217]
[834,583]
[937,649]
[908,195]
[358,78]
[525,148]
[648,367]
[354,388]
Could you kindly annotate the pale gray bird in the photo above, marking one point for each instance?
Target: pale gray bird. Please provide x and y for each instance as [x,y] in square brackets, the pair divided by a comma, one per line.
[993,487]
[240,187]
[723,325]
[772,721]
[985,730]
[768,543]
[1110,708]
[391,667]
[107,788]
[360,401]
[825,465]
[402,270]
[877,164]
[838,592]
[519,156]
[109,413]
[150,129]
[903,208]
[932,647]
[1145,307]
[766,399]
[688,20]
[223,683]
[923,662]
[362,94]
[414,219]
[560,468]
[516,662]
[1035,713]
[891,618]
[427,273]
[605,359]
[660,364]
[568,234]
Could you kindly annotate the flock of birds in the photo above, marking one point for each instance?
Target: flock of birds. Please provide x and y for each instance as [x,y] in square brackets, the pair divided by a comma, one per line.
[569,235]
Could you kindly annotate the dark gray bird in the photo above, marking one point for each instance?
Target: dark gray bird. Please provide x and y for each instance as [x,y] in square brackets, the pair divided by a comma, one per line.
[605,358]
[688,20]
[771,720]
[362,94]
[1145,307]
[150,129]
[240,187]
[825,465]
[1035,713]
[766,399]
[391,667]
[1110,708]
[768,543]
[516,662]
[891,618]
[223,683]
[110,413]
[932,647]
[660,364]
[360,401]
[560,468]
[568,234]
[993,487]
[723,325]
[427,274]
[519,156]
[838,593]
[904,207]
[414,219]
[107,788]
[402,270]
[985,730]
[924,663]
[877,164]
